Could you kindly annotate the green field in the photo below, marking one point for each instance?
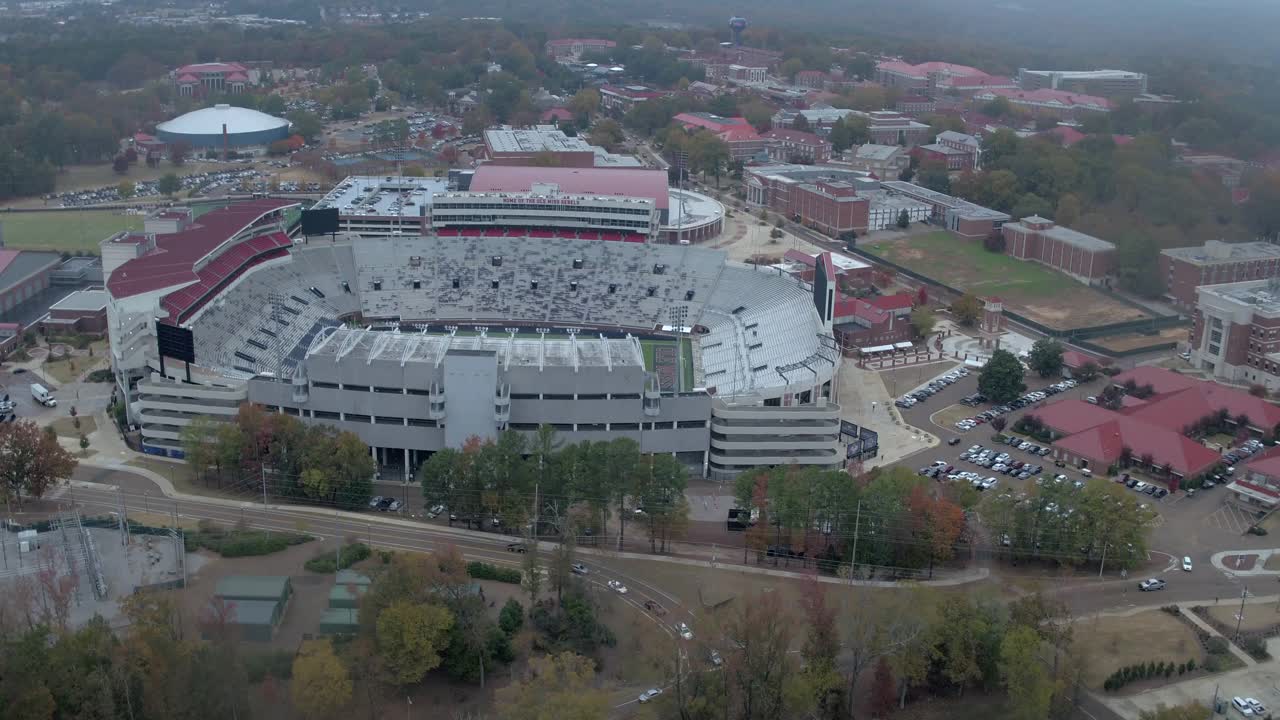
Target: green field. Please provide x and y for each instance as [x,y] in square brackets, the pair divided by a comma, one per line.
[648,347]
[64,231]
[1030,288]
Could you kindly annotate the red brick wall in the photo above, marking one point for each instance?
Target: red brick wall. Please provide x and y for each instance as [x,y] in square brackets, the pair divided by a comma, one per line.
[1182,278]
[1237,352]
[827,214]
[974,228]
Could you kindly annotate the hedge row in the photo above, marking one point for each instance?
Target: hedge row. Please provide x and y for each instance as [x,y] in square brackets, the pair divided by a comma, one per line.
[351,554]
[243,543]
[486,571]
[1132,673]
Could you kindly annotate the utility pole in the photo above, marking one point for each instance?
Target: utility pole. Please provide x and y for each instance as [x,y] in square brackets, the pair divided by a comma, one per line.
[264,485]
[1104,559]
[1240,617]
[853,559]
[124,530]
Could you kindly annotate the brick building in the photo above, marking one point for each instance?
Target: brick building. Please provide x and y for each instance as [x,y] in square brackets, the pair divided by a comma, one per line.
[203,79]
[83,312]
[860,323]
[1216,262]
[530,146]
[743,140]
[1083,257]
[962,141]
[619,99]
[796,146]
[811,79]
[959,216]
[850,272]
[953,159]
[1235,332]
[831,207]
[819,118]
[915,104]
[23,275]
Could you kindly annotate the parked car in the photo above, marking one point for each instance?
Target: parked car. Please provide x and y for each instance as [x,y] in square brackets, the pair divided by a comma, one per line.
[617,587]
[715,658]
[954,441]
[516,547]
[579,569]
[654,607]
[1242,705]
[685,632]
[1151,585]
[375,501]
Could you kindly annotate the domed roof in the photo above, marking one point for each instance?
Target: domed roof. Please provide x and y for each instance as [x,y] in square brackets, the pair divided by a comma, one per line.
[209,121]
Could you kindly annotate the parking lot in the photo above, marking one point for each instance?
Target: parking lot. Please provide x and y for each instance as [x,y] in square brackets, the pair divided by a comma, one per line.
[1258,682]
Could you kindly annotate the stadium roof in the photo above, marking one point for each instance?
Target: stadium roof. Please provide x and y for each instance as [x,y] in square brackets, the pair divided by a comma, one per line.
[173,260]
[211,68]
[625,182]
[209,121]
[403,348]
[17,265]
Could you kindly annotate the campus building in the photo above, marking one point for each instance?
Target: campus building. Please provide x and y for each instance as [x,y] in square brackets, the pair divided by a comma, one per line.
[570,49]
[1104,83]
[1214,263]
[619,99]
[885,162]
[219,78]
[1083,257]
[24,274]
[1234,332]
[795,146]
[1058,104]
[959,216]
[924,78]
[743,140]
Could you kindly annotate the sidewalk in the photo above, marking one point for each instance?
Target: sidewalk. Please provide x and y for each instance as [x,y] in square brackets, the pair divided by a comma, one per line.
[864,400]
[1258,566]
[1185,609]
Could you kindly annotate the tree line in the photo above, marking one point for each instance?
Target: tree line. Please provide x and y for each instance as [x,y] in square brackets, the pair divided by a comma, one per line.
[567,489]
[889,518]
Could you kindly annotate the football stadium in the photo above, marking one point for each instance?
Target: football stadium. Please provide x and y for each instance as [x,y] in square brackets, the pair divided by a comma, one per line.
[417,342]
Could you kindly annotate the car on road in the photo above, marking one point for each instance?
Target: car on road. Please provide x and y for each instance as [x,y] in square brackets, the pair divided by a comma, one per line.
[654,607]
[516,547]
[685,632]
[649,694]
[578,569]
[1242,705]
[715,658]
[1186,563]
[954,441]
[1151,585]
[617,587]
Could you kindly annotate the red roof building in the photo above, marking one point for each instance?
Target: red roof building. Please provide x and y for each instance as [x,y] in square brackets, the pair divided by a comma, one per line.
[214,77]
[556,115]
[1257,484]
[1053,103]
[743,140]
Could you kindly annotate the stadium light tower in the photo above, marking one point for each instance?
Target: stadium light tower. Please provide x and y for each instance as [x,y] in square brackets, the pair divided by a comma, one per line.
[736,25]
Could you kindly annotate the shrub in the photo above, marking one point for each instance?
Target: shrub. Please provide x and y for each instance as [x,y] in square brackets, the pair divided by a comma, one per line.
[100,376]
[1182,668]
[1218,663]
[349,555]
[1216,646]
[486,571]
[1256,648]
[1191,665]
[1168,670]
[511,619]
[242,543]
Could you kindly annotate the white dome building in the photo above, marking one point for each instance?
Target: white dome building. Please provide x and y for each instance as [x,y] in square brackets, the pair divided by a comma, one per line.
[245,130]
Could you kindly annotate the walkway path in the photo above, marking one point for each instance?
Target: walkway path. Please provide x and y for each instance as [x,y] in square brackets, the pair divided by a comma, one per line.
[864,400]
[1185,609]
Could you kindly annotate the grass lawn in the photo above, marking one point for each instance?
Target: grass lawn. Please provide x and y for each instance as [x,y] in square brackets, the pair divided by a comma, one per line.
[948,416]
[1048,296]
[1110,643]
[1257,616]
[68,231]
[68,369]
[66,426]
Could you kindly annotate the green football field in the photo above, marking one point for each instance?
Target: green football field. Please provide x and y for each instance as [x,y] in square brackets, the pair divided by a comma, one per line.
[64,231]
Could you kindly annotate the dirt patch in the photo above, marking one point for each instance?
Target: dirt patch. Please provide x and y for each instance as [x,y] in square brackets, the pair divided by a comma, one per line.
[1110,643]
[65,427]
[1256,617]
[1134,341]
[1273,562]
[1240,562]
